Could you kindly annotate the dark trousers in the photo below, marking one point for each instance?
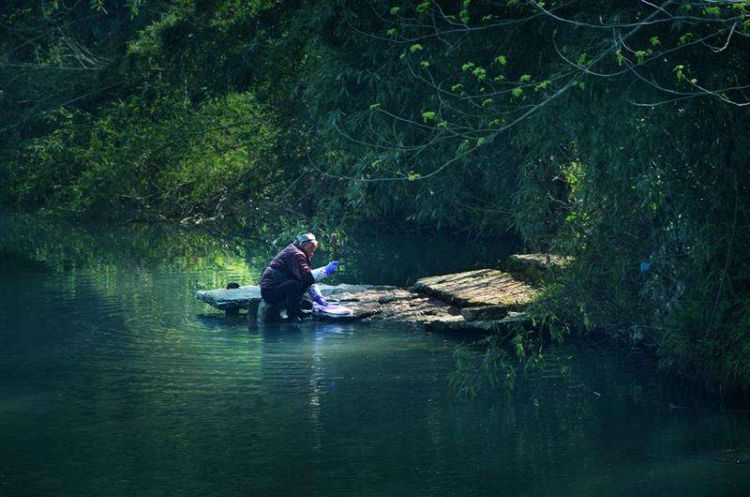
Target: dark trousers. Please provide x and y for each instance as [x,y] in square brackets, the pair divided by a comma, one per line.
[289,292]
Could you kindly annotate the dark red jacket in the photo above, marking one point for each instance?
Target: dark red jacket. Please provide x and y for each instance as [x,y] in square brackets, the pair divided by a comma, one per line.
[290,263]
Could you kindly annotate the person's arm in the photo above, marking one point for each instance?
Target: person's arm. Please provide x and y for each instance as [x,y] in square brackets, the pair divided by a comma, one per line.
[325,271]
[316,295]
[301,269]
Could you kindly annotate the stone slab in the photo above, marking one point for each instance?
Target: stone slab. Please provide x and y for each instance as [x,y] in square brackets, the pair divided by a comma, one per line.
[484,287]
[233,298]
[398,304]
[269,313]
[244,296]
[453,301]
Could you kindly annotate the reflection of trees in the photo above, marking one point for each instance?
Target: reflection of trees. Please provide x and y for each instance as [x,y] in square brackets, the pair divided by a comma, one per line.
[63,246]
[370,256]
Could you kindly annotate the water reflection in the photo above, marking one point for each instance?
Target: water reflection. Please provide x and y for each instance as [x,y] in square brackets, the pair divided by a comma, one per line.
[371,256]
[114,380]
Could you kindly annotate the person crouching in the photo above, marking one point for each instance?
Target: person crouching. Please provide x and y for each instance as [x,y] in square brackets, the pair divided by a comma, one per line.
[289,275]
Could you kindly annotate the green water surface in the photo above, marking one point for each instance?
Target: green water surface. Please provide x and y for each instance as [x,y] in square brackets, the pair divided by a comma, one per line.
[115,381]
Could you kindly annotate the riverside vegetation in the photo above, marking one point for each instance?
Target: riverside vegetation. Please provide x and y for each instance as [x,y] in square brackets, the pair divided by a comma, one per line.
[613,132]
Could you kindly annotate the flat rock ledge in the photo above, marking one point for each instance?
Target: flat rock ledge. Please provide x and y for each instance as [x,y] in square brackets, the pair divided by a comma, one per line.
[244,297]
[484,287]
[398,304]
[481,301]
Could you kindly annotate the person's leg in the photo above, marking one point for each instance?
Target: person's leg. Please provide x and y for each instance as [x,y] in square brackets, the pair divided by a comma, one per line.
[289,292]
[269,313]
[293,290]
[273,300]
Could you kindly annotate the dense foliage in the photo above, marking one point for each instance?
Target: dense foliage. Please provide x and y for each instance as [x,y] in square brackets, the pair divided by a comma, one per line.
[615,132]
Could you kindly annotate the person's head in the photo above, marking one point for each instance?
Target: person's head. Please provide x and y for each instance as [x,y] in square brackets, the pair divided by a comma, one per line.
[307,243]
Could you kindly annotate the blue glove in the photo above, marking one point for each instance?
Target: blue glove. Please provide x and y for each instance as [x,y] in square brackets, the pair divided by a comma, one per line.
[331,268]
[314,292]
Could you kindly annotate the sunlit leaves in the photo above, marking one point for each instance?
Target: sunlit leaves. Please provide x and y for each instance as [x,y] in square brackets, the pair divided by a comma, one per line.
[480,73]
[679,72]
[712,11]
[423,7]
[686,38]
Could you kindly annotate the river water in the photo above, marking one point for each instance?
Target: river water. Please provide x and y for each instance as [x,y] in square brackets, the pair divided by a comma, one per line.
[115,381]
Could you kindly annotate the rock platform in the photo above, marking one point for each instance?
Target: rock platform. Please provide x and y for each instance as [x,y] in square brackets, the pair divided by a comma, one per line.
[248,297]
[485,287]
[483,301]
